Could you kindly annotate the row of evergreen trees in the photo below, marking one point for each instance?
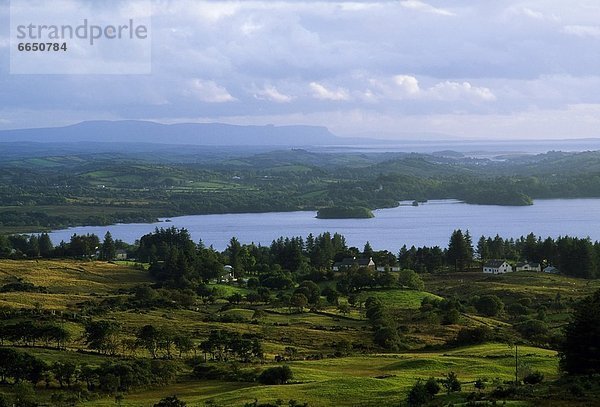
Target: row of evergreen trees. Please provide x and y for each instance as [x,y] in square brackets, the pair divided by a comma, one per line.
[176,258]
[35,246]
[571,255]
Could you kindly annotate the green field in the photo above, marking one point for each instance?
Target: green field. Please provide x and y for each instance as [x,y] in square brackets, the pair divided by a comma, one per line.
[368,377]
[405,299]
[378,380]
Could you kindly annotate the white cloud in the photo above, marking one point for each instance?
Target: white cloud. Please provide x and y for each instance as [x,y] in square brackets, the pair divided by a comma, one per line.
[407,85]
[250,27]
[528,12]
[450,91]
[272,94]
[204,11]
[532,13]
[424,7]
[321,92]
[401,87]
[582,30]
[392,62]
[209,91]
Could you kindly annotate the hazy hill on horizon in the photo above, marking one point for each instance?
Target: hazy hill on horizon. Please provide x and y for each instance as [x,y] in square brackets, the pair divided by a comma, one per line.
[213,134]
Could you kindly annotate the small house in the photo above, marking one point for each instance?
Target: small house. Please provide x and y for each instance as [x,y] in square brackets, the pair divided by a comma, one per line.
[383,269]
[349,262]
[526,266]
[227,274]
[497,267]
[121,254]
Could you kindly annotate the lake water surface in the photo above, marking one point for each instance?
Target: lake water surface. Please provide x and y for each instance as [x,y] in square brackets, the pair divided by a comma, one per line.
[428,224]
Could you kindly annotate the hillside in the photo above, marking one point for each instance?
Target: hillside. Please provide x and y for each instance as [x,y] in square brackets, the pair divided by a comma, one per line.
[332,354]
[213,134]
[41,190]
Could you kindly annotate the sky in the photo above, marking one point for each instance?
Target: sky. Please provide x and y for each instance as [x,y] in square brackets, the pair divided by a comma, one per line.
[503,69]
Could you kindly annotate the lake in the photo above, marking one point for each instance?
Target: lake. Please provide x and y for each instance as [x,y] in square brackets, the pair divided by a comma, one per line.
[428,224]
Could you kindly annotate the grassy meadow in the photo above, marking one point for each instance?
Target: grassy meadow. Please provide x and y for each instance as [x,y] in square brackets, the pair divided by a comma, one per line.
[364,376]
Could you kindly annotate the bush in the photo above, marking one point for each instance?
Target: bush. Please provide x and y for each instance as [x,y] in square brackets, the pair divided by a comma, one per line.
[171,401]
[501,392]
[410,279]
[418,395]
[533,378]
[517,310]
[210,372]
[387,337]
[532,328]
[489,305]
[276,375]
[451,317]
[432,386]
[577,390]
[473,336]
[451,383]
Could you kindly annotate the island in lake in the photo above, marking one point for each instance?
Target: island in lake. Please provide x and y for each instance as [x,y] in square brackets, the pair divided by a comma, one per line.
[340,212]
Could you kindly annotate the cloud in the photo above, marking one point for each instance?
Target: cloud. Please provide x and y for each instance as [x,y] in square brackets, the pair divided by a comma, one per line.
[321,92]
[450,91]
[385,64]
[407,85]
[272,94]
[531,13]
[425,8]
[401,87]
[582,30]
[209,91]
[205,11]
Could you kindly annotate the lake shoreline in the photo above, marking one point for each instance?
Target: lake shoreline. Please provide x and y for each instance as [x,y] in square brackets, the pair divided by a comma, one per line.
[428,224]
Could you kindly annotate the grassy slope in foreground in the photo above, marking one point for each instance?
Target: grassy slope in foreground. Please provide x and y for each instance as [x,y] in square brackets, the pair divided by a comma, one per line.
[353,381]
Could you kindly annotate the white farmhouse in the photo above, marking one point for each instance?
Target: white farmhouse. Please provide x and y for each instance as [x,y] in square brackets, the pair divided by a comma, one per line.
[529,267]
[497,267]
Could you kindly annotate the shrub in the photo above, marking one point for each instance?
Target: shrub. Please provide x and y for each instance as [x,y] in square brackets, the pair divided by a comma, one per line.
[387,337]
[410,279]
[432,386]
[451,317]
[473,336]
[532,328]
[489,305]
[418,395]
[577,390]
[276,375]
[533,378]
[501,392]
[171,401]
[210,372]
[451,383]
[517,310]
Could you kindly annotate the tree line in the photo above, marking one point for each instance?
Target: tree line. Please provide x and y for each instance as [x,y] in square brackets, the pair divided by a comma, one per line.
[178,262]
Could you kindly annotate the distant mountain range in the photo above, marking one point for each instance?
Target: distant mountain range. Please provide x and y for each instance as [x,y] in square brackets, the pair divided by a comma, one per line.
[208,134]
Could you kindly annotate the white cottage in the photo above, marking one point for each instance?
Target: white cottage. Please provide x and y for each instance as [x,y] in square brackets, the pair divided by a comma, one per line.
[497,267]
[529,267]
